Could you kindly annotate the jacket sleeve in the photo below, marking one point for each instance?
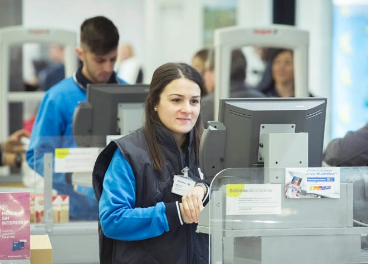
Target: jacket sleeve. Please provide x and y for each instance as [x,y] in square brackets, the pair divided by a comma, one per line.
[119,217]
[351,150]
[46,134]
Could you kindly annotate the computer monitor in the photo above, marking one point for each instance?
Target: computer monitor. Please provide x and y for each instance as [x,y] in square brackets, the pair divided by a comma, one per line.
[234,141]
[110,109]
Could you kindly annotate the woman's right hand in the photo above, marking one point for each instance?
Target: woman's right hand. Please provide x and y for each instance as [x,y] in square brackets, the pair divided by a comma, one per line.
[186,217]
[192,205]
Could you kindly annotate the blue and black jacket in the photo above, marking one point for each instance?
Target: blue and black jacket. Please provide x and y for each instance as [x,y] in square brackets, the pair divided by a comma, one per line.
[139,215]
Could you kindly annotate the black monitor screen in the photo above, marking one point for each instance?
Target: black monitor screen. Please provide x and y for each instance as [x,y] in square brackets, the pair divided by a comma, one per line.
[107,106]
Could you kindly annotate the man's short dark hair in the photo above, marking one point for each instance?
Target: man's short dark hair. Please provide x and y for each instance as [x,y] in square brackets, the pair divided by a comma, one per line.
[99,34]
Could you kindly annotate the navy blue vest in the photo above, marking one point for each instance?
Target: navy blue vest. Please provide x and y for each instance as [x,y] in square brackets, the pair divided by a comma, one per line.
[181,245]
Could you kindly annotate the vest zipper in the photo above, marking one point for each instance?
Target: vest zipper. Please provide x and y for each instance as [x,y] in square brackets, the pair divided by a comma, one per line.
[181,159]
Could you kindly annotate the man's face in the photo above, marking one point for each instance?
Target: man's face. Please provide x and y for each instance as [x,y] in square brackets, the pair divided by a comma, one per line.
[97,68]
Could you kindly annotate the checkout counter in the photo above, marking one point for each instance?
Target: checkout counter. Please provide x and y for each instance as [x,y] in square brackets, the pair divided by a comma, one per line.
[266,227]
[72,241]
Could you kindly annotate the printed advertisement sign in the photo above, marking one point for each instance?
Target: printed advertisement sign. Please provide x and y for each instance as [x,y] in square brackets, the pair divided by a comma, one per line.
[15,226]
[319,182]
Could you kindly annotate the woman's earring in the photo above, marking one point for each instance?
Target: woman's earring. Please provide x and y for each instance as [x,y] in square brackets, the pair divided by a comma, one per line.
[155,109]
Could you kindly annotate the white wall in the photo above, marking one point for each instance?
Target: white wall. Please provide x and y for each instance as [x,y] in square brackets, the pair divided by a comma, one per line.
[251,13]
[174,32]
[127,15]
[315,16]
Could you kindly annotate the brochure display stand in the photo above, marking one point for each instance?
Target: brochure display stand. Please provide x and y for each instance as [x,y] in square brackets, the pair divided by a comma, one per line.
[252,221]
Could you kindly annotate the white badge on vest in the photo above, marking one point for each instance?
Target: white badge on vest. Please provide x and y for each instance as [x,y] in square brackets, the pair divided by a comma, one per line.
[182,183]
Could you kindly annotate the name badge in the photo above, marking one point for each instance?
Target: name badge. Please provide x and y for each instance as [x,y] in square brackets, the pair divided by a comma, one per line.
[182,185]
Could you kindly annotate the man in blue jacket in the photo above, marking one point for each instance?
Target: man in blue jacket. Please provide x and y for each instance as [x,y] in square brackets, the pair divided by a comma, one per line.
[99,40]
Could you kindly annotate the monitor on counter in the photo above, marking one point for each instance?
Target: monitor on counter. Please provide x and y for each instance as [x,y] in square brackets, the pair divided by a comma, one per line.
[110,109]
[234,141]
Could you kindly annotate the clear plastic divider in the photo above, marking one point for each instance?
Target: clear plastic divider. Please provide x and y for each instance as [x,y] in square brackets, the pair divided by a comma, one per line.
[63,204]
[253,221]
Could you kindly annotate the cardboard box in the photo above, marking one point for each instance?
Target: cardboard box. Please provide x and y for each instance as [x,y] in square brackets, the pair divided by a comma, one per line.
[14,226]
[41,249]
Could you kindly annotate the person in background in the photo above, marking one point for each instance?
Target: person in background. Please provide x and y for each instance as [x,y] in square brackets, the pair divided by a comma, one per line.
[128,66]
[350,150]
[238,86]
[144,216]
[281,70]
[50,75]
[11,151]
[266,56]
[99,40]
[199,60]
[55,72]
[208,73]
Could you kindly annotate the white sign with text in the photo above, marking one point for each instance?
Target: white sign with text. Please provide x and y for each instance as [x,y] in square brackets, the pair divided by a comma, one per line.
[253,199]
[75,159]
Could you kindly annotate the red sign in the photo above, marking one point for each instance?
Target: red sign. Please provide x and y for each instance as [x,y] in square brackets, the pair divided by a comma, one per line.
[264,31]
[39,31]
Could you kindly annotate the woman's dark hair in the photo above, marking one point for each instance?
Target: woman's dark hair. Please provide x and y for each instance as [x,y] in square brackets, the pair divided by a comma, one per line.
[99,34]
[162,76]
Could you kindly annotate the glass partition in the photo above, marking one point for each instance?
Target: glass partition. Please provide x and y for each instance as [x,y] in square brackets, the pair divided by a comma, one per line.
[252,221]
[65,171]
[62,199]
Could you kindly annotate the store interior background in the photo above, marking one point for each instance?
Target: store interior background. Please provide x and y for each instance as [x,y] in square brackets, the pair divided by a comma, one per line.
[173,30]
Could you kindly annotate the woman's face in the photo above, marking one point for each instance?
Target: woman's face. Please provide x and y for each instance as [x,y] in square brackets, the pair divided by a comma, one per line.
[283,68]
[179,107]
